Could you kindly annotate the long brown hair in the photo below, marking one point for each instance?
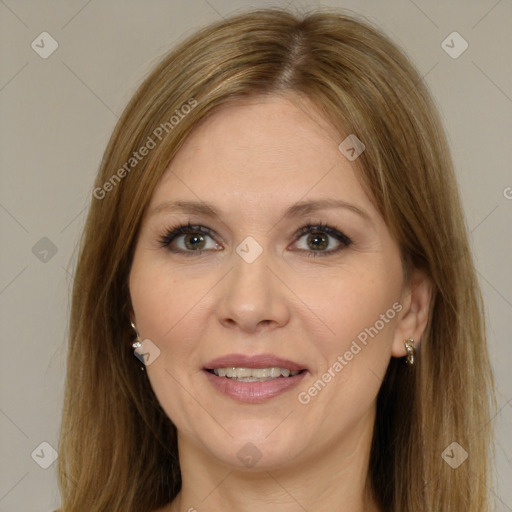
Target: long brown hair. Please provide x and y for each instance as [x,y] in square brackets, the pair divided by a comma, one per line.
[118,449]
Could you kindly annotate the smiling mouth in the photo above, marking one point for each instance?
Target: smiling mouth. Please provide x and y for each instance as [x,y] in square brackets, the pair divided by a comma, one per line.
[242,374]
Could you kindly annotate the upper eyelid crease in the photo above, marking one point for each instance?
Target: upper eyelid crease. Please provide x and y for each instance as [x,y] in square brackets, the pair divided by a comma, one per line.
[296,210]
[332,231]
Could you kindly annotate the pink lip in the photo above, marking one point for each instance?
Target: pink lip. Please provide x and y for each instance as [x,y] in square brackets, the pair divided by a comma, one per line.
[259,361]
[253,392]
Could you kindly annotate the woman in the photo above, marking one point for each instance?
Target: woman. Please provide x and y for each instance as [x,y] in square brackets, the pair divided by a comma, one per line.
[277,236]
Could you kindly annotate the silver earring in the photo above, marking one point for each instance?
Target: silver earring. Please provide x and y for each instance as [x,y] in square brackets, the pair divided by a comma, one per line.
[409,346]
[137,344]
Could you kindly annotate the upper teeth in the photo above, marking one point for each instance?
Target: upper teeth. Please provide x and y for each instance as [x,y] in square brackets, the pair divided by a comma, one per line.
[259,373]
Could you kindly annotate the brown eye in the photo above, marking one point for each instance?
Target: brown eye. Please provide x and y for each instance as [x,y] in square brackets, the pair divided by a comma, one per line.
[318,240]
[194,242]
[188,239]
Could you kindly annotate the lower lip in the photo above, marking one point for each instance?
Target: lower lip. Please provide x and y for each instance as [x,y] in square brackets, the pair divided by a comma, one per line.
[253,392]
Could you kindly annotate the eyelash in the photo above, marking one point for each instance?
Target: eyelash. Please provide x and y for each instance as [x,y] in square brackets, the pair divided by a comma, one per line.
[172,232]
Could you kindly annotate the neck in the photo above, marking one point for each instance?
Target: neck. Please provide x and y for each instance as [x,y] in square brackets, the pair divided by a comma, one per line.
[334,479]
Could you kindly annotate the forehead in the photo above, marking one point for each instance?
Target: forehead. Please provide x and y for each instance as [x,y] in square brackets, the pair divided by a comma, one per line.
[251,153]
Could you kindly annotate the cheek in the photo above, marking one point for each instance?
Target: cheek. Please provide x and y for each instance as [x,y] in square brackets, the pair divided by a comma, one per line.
[352,362]
[358,312]
[352,299]
[164,310]
[160,299]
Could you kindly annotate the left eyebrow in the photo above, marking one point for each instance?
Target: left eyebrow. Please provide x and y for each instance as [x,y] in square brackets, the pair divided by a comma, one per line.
[299,209]
[306,207]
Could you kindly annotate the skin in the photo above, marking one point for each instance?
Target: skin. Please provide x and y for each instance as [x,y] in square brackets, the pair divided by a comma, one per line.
[252,160]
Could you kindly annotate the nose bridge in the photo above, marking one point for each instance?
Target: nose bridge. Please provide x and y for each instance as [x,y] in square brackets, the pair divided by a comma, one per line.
[251,276]
[252,293]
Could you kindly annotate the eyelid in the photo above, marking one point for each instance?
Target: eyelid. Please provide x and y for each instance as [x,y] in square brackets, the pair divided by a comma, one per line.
[173,232]
[324,228]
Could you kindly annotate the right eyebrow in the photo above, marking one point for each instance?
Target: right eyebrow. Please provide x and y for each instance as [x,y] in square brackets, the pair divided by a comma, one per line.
[198,207]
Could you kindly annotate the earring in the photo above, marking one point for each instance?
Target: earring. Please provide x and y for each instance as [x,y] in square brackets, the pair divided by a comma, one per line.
[137,344]
[409,346]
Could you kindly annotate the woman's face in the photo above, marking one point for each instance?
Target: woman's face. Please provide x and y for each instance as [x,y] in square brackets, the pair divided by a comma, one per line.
[246,287]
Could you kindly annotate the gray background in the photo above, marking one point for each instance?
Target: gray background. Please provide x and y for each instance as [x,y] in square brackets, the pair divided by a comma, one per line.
[57,115]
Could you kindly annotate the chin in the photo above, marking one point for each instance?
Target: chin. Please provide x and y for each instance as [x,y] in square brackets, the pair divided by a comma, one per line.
[259,449]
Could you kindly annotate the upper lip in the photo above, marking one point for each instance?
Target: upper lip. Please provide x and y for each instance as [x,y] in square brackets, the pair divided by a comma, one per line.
[258,361]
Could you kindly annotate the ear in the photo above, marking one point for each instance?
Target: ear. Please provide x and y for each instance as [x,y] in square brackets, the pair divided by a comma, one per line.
[132,318]
[413,318]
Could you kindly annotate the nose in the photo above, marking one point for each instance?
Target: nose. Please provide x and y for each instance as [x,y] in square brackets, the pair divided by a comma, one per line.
[252,296]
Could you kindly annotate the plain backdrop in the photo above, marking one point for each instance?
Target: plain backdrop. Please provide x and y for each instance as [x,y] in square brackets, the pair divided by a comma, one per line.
[57,113]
